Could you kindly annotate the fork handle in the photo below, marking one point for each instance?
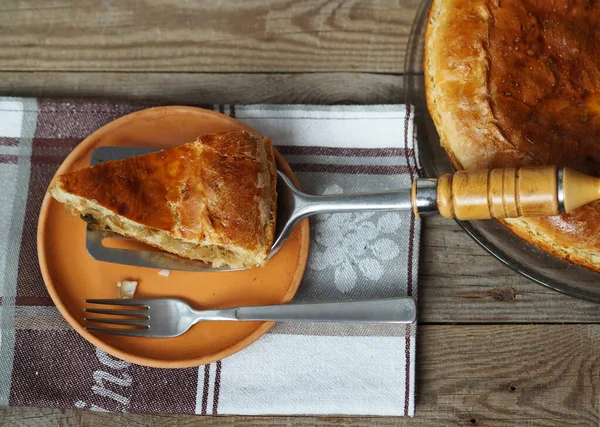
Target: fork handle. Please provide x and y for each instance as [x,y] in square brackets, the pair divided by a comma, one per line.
[391,310]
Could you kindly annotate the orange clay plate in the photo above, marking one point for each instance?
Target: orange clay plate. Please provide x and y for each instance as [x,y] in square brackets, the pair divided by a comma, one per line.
[71,275]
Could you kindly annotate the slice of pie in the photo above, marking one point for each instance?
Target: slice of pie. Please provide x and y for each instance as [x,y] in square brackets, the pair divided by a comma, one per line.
[517,83]
[213,199]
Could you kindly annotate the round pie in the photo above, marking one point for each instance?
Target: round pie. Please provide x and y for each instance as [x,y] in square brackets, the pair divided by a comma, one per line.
[517,83]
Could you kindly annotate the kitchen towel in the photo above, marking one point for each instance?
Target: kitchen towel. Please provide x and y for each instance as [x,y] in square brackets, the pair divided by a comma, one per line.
[304,368]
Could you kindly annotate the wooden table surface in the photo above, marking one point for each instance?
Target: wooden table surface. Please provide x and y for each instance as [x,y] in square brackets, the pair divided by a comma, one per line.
[494,348]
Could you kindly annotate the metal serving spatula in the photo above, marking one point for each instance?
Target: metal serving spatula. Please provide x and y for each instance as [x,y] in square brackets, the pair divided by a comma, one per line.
[465,195]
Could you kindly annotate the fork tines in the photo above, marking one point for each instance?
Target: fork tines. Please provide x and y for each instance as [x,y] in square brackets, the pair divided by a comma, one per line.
[136,309]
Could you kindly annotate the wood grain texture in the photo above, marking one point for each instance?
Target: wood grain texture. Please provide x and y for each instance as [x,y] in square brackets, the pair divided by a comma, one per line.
[225,36]
[543,375]
[534,375]
[460,282]
[502,193]
[209,88]
[579,189]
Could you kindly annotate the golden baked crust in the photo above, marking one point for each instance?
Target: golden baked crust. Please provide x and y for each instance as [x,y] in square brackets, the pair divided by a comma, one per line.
[213,199]
[517,82]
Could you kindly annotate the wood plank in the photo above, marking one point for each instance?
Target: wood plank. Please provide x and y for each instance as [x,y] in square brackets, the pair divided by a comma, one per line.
[480,375]
[461,282]
[209,88]
[231,36]
[500,375]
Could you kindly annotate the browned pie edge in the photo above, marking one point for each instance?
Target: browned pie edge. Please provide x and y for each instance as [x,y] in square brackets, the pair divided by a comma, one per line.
[457,99]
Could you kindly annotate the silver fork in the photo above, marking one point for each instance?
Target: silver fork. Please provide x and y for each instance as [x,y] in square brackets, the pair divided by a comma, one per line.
[169,317]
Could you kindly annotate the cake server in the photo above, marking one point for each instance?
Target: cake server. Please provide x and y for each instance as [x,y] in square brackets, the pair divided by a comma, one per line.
[464,195]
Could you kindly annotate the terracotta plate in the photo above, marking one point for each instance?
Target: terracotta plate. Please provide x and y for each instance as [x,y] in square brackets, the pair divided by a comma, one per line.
[71,275]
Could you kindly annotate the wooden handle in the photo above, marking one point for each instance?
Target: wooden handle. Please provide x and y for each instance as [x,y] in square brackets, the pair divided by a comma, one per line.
[514,192]
[579,189]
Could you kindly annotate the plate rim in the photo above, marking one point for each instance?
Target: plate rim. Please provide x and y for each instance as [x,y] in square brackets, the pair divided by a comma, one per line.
[93,339]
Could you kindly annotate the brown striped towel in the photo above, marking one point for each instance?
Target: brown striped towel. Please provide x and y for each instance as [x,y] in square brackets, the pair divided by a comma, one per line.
[294,369]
